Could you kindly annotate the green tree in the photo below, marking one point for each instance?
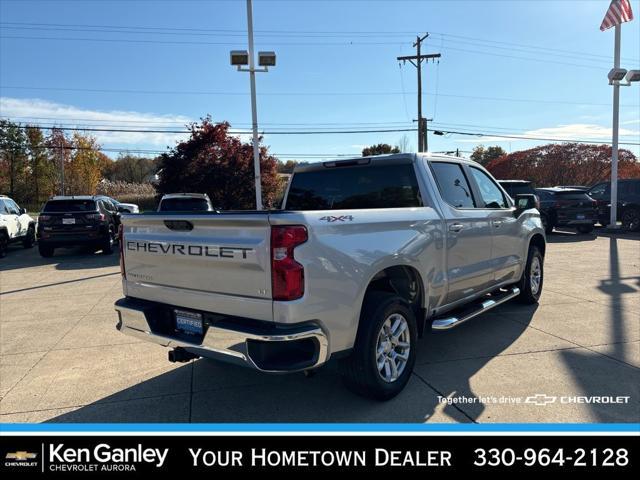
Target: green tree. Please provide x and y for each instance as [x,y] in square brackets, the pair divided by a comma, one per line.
[13,159]
[213,162]
[379,149]
[484,155]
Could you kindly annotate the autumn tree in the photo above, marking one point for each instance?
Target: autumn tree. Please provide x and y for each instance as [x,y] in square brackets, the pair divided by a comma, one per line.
[564,164]
[213,162]
[484,155]
[59,149]
[85,168]
[379,149]
[43,175]
[131,168]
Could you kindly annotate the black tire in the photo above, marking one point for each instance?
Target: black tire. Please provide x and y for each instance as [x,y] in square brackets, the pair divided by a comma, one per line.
[45,251]
[107,244]
[30,239]
[528,294]
[4,244]
[631,219]
[360,371]
[584,229]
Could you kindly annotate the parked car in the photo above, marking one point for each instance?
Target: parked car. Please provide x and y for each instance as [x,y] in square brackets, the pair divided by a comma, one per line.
[367,254]
[15,225]
[517,187]
[185,202]
[127,207]
[628,202]
[78,220]
[566,207]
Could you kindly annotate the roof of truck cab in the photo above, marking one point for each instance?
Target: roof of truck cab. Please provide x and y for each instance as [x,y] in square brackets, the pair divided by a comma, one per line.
[389,159]
[185,195]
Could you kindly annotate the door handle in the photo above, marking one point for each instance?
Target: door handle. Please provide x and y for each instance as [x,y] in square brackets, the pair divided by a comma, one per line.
[455,227]
[497,223]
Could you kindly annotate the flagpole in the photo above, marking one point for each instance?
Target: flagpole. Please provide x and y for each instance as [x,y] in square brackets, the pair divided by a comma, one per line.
[613,219]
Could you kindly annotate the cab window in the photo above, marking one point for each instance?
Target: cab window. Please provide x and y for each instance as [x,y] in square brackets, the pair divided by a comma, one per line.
[491,194]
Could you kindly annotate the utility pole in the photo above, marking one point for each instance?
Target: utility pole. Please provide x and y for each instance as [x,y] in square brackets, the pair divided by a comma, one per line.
[62,168]
[416,61]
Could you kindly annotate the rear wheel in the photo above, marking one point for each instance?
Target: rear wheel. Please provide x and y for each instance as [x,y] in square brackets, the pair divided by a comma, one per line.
[30,239]
[107,244]
[4,244]
[385,350]
[532,277]
[585,229]
[45,251]
[631,219]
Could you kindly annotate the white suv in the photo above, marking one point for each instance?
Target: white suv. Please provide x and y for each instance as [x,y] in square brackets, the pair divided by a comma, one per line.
[15,225]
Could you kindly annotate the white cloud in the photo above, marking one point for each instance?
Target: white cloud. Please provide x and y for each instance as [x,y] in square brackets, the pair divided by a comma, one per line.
[44,112]
[573,131]
[576,131]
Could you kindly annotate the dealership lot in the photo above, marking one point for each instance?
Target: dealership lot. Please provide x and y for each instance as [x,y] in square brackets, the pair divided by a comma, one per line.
[566,360]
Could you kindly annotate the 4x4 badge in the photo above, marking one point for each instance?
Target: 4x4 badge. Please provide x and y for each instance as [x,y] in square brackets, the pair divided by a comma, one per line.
[341,218]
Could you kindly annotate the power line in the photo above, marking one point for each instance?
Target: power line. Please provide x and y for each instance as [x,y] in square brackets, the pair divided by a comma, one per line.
[295,33]
[307,94]
[332,132]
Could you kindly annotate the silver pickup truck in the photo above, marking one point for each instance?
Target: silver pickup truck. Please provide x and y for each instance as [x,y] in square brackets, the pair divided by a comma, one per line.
[364,257]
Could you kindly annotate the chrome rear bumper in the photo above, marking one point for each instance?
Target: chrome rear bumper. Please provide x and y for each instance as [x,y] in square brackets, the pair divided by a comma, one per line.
[228,340]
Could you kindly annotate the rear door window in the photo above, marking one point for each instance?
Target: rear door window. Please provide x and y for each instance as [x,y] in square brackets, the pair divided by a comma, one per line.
[70,206]
[453,184]
[384,186]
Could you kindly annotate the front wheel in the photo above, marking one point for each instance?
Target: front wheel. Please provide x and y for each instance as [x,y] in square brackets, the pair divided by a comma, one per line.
[385,350]
[532,277]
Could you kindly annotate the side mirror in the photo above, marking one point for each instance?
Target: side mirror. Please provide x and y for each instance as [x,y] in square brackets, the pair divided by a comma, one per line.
[526,201]
[22,211]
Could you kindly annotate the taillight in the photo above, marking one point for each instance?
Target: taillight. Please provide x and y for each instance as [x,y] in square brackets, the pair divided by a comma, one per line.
[287,275]
[96,216]
[121,248]
[44,218]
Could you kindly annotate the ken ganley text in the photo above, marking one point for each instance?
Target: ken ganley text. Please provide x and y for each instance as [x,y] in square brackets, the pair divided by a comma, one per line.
[262,457]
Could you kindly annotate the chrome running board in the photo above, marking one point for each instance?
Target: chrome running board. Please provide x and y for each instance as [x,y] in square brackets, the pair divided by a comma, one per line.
[451,321]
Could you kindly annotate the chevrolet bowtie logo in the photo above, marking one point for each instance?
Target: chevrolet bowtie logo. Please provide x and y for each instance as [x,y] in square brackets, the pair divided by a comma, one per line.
[540,399]
[20,455]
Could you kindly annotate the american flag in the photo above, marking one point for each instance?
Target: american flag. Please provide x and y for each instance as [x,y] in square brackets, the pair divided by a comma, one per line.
[619,12]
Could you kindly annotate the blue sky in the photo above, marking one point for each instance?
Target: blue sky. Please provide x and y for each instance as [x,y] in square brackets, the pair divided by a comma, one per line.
[533,68]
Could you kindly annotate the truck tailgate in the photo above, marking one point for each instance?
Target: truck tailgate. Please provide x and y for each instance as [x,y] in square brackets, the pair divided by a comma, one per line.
[213,261]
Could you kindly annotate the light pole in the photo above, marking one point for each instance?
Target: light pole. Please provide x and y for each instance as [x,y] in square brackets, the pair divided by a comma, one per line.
[241,58]
[616,75]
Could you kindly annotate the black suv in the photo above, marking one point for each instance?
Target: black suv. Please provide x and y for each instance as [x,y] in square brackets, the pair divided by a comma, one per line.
[628,202]
[516,187]
[566,207]
[78,220]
